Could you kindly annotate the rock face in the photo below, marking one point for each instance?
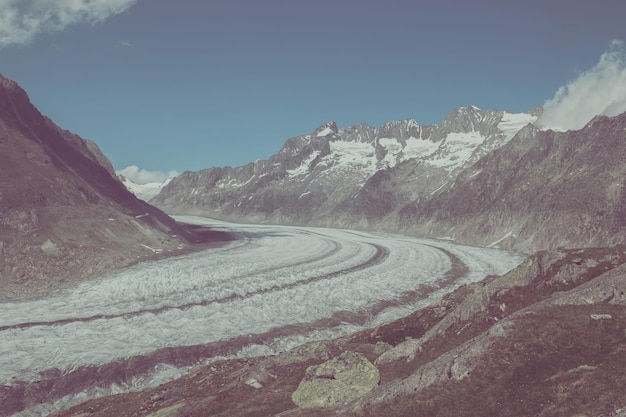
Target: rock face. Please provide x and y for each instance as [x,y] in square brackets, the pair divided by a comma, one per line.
[344,177]
[64,216]
[336,382]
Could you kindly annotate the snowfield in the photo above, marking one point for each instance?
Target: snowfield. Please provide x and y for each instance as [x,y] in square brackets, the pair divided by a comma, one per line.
[272,277]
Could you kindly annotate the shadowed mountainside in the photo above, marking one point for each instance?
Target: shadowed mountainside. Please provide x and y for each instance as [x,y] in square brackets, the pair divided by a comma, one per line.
[64,216]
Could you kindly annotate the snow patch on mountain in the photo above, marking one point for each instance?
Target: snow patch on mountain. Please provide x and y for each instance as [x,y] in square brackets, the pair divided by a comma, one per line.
[513,122]
[325,132]
[320,173]
[232,183]
[304,167]
[419,148]
[456,149]
[353,155]
[144,191]
[145,184]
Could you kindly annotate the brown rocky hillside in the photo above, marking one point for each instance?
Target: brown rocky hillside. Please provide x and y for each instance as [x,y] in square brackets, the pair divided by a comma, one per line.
[64,216]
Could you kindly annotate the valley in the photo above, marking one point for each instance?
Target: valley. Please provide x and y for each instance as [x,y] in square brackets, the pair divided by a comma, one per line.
[427,250]
[271,289]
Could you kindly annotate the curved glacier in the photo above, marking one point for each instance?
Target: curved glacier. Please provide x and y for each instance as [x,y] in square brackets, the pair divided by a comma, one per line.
[271,277]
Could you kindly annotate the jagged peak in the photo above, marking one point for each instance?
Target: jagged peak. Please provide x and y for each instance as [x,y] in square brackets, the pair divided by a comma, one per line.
[412,123]
[463,118]
[537,111]
[331,124]
[326,129]
[407,122]
[8,84]
[474,113]
[471,109]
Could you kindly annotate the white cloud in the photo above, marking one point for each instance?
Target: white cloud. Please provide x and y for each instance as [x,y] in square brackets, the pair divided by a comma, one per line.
[143,176]
[599,91]
[22,20]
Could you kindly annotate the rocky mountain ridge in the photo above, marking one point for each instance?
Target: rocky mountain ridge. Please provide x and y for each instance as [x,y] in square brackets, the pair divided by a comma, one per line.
[315,178]
[64,216]
[543,189]
[479,177]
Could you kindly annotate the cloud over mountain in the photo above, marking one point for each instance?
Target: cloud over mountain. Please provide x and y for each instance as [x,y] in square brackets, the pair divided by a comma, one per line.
[599,91]
[23,20]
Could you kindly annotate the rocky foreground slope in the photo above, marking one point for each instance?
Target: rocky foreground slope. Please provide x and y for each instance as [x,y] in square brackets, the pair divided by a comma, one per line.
[546,339]
[64,216]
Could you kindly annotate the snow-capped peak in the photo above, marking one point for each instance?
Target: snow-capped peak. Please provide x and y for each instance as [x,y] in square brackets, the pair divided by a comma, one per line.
[326,129]
[513,122]
[316,172]
[145,184]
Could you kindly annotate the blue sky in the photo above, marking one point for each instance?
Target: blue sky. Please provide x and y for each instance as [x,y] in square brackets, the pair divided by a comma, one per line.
[186,85]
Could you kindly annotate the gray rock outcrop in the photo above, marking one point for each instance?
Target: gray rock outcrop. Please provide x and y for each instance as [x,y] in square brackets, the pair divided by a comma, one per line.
[336,382]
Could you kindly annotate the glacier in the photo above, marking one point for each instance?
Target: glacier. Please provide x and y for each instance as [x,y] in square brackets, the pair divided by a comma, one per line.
[270,277]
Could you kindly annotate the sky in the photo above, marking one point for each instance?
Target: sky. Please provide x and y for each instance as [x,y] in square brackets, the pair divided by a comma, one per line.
[166,86]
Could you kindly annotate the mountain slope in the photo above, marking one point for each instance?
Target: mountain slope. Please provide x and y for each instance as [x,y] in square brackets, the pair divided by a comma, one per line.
[63,214]
[315,178]
[542,189]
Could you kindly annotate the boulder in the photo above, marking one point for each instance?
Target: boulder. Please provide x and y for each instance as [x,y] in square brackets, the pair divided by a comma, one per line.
[336,382]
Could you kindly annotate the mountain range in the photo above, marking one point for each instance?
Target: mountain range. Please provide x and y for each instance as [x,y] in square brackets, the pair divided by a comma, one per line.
[324,177]
[479,177]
